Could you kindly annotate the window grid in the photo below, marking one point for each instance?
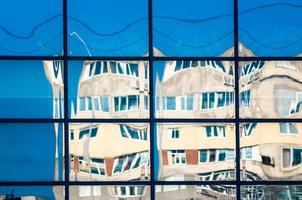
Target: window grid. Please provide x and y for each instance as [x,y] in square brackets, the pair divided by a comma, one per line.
[152,119]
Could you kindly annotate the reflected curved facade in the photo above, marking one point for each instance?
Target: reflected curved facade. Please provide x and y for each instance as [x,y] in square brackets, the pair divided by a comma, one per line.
[201,152]
[195,89]
[270,89]
[112,89]
[271,151]
[105,152]
[197,192]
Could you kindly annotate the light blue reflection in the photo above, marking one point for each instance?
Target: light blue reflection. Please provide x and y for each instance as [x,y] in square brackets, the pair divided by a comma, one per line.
[28,152]
[107,28]
[271,27]
[24,90]
[195,28]
[31,27]
[18,191]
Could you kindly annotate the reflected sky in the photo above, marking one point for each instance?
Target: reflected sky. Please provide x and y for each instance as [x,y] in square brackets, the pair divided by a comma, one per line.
[271,27]
[31,27]
[28,152]
[18,95]
[18,191]
[198,28]
[100,27]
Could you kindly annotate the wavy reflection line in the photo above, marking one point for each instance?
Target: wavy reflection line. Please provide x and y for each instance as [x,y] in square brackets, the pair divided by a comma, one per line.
[33,49]
[193,21]
[191,45]
[127,26]
[32,32]
[270,5]
[118,48]
[269,46]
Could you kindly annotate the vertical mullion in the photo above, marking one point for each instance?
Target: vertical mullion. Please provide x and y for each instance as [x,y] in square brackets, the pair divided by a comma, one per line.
[237,117]
[151,118]
[65,62]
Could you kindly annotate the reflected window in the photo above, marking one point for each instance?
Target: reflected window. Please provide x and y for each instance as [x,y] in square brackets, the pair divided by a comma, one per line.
[174,133]
[288,128]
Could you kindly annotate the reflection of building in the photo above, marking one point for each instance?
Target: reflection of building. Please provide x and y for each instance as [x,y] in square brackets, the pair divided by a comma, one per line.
[54,73]
[196,151]
[270,89]
[113,89]
[195,89]
[198,192]
[109,151]
[276,192]
[271,151]
[110,192]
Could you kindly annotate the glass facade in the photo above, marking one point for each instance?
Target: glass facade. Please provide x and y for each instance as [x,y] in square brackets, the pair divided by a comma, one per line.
[150,99]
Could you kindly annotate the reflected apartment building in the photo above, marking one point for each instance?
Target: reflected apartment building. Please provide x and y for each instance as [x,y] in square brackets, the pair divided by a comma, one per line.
[107,151]
[274,192]
[270,89]
[196,192]
[271,151]
[116,192]
[196,151]
[112,89]
[195,89]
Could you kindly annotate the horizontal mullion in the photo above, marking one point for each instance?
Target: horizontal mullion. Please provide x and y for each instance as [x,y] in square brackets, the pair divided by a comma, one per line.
[147,120]
[147,58]
[201,120]
[110,182]
[270,182]
[32,183]
[31,120]
[270,58]
[164,58]
[271,120]
[195,182]
[130,58]
[110,120]
[31,58]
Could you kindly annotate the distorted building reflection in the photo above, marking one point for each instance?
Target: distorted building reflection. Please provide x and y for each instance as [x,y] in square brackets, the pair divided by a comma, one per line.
[276,192]
[106,151]
[270,89]
[112,89]
[195,89]
[196,192]
[114,192]
[271,151]
[203,152]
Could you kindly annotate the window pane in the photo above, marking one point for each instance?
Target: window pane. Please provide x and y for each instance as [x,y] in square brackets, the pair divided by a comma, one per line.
[31,89]
[200,89]
[203,156]
[31,28]
[38,148]
[133,102]
[170,103]
[25,192]
[279,96]
[264,32]
[114,151]
[183,30]
[194,155]
[267,191]
[270,146]
[190,102]
[93,33]
[119,93]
